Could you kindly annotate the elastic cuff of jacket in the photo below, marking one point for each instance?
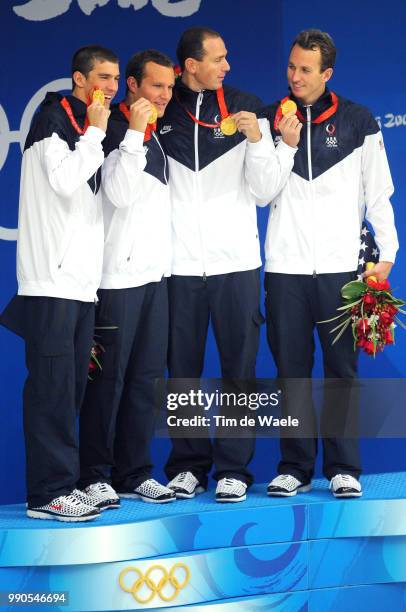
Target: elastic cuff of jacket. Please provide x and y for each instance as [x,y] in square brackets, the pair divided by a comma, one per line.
[133,140]
[95,134]
[259,147]
[388,256]
[285,147]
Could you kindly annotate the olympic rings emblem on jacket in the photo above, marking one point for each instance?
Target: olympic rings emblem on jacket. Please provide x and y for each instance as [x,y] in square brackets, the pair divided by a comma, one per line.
[156,586]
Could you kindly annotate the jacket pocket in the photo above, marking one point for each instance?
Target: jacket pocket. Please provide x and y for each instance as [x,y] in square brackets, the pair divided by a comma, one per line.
[64,247]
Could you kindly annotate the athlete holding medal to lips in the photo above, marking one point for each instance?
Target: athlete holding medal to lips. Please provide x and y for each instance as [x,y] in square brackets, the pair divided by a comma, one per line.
[132,313]
[222,162]
[59,266]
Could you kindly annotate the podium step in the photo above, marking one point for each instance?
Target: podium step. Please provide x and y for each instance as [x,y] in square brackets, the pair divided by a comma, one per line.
[311,551]
[139,530]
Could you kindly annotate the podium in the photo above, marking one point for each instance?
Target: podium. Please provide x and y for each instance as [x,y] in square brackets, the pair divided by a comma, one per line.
[308,552]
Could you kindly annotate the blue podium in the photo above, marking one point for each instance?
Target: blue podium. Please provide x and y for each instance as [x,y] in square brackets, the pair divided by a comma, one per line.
[309,552]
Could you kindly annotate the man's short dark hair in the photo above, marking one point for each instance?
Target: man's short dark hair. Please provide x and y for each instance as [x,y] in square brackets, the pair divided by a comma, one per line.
[316,39]
[191,44]
[85,57]
[136,64]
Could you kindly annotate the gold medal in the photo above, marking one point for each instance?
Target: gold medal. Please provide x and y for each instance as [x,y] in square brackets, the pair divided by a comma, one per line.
[153,116]
[228,126]
[98,95]
[288,107]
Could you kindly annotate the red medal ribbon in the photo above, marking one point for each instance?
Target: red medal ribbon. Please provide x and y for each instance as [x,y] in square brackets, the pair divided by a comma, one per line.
[222,106]
[68,110]
[322,117]
[151,127]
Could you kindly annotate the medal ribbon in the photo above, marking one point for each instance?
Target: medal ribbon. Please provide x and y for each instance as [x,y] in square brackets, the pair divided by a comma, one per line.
[222,107]
[68,110]
[322,117]
[151,127]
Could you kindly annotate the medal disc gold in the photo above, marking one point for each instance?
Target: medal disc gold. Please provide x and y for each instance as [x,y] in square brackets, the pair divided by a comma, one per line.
[288,107]
[98,95]
[153,116]
[228,126]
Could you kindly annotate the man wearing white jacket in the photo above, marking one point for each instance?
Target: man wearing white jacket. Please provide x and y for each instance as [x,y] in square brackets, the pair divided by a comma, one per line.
[217,177]
[117,419]
[59,264]
[340,176]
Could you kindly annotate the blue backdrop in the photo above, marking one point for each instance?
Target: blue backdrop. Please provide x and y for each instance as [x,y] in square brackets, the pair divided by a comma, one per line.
[38,38]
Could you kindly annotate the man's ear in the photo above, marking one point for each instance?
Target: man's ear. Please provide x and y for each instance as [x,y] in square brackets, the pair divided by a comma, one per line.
[191,65]
[328,73]
[79,79]
[132,84]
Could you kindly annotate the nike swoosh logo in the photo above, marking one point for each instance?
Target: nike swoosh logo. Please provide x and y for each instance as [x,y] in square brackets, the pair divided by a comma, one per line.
[165,130]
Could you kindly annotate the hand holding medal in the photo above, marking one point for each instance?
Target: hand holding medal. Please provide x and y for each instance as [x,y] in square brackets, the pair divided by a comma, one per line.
[289,107]
[289,125]
[153,115]
[97,114]
[228,126]
[98,96]
[247,124]
[141,114]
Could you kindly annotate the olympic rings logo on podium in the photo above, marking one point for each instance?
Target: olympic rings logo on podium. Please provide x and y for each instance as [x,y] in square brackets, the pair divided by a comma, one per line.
[156,587]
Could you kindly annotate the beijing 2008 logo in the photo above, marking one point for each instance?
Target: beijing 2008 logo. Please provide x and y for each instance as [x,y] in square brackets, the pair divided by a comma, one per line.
[42,10]
[157,581]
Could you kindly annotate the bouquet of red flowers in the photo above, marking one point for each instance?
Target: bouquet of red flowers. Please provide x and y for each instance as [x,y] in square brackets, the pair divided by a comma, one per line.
[372,311]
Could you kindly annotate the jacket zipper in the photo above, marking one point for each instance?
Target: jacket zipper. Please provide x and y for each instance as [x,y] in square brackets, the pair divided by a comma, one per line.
[165,167]
[95,183]
[164,156]
[196,179]
[310,171]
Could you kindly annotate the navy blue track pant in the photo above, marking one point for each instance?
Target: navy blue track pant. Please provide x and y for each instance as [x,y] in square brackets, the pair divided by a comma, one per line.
[58,337]
[231,301]
[294,303]
[117,420]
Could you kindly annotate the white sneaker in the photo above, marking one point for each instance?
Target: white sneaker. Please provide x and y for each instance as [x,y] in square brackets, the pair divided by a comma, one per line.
[151,491]
[344,485]
[185,485]
[99,495]
[286,485]
[231,490]
[66,508]
[83,498]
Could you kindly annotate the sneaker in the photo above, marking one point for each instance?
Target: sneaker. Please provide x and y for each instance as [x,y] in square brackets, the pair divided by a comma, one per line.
[231,490]
[99,495]
[66,508]
[286,485]
[185,485]
[151,491]
[344,485]
[83,498]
